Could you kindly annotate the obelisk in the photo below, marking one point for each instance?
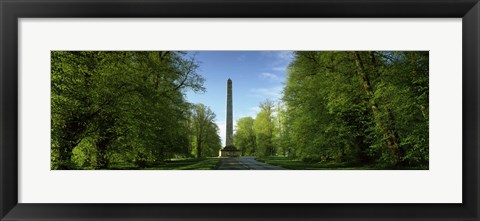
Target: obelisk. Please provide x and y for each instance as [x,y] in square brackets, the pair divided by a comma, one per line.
[229,135]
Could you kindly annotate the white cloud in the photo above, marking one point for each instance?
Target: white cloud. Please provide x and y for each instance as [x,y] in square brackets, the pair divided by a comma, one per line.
[280,68]
[279,60]
[241,57]
[270,77]
[286,56]
[251,112]
[280,56]
[254,111]
[273,93]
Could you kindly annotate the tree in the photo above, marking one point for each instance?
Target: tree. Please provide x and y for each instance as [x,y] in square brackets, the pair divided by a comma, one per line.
[120,107]
[203,119]
[245,136]
[213,142]
[358,107]
[282,131]
[264,128]
[382,120]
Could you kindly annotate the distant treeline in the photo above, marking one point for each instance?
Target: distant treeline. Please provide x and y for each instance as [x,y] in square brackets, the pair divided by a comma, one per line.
[358,107]
[117,109]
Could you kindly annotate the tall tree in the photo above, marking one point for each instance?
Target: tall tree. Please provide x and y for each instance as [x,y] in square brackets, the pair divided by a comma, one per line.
[245,136]
[264,128]
[213,142]
[358,107]
[203,118]
[119,106]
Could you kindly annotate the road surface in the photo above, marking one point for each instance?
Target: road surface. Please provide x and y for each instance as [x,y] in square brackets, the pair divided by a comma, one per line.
[245,163]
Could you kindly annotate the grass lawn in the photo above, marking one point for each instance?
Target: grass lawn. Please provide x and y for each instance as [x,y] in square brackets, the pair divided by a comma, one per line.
[293,164]
[178,164]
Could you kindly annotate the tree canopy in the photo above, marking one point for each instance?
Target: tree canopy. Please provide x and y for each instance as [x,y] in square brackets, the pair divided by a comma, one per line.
[355,107]
[117,108]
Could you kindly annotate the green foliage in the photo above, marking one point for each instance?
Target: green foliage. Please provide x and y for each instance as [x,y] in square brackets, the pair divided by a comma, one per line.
[359,107]
[264,130]
[121,108]
[245,136]
[205,132]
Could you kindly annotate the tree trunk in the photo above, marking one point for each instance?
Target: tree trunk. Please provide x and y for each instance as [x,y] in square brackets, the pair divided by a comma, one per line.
[71,137]
[199,144]
[386,127]
[102,158]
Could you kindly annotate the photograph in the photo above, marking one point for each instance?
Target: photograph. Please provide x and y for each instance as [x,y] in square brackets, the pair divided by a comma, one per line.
[239,110]
[201,110]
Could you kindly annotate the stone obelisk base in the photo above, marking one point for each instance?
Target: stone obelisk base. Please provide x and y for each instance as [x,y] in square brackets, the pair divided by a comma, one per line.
[229,151]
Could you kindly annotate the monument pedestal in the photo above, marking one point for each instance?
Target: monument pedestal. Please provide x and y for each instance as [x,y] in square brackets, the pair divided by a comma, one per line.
[229,151]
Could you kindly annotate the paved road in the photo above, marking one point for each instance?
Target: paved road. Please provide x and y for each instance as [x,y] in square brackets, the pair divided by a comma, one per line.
[245,163]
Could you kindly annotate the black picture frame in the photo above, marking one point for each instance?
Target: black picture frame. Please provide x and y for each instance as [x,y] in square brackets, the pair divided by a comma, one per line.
[11,10]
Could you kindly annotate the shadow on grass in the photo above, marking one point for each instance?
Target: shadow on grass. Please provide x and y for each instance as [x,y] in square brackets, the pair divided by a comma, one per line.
[176,164]
[295,164]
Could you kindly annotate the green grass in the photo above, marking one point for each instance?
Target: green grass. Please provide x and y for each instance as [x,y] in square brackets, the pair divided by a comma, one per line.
[177,164]
[187,164]
[295,164]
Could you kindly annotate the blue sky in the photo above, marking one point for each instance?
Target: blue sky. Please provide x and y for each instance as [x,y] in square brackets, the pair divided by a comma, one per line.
[256,76]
